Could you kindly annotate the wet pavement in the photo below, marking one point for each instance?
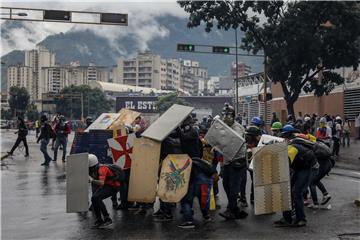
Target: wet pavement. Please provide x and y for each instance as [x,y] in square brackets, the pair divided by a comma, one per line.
[33,207]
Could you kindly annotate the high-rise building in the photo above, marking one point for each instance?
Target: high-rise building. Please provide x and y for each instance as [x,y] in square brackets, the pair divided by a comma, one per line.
[243,70]
[148,70]
[36,59]
[20,76]
[191,75]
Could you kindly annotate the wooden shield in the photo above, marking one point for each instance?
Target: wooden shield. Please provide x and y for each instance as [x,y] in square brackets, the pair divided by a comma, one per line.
[271,179]
[121,150]
[144,170]
[174,177]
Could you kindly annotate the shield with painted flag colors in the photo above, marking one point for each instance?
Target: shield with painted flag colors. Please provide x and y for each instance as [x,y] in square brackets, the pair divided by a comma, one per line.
[121,150]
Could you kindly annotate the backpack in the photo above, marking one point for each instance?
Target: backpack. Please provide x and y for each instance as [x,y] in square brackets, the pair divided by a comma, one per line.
[320,149]
[203,166]
[119,175]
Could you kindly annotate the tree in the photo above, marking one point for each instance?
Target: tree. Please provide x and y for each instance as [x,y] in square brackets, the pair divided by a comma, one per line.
[18,101]
[6,114]
[303,41]
[95,102]
[165,102]
[32,112]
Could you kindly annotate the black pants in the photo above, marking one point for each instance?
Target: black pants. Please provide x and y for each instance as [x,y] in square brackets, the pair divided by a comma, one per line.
[97,200]
[124,189]
[336,146]
[17,142]
[231,183]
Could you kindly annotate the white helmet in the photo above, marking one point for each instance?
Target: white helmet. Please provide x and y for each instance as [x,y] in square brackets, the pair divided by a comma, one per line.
[338,118]
[93,160]
[217,117]
[307,119]
[322,120]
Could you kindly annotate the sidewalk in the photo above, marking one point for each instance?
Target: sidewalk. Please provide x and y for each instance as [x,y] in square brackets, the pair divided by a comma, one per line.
[349,156]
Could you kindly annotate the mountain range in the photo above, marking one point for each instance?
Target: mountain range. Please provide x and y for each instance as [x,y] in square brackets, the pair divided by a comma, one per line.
[87,46]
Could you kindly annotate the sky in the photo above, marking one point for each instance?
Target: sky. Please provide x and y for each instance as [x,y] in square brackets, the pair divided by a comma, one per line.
[141,15]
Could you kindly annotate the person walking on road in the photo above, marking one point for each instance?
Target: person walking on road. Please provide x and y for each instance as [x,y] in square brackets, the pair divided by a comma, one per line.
[37,128]
[346,132]
[45,135]
[62,129]
[22,133]
[357,126]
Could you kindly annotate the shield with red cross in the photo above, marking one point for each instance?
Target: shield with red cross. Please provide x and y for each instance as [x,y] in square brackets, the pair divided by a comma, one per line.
[121,150]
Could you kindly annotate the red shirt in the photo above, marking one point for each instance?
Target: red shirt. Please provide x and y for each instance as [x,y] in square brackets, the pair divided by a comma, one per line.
[104,174]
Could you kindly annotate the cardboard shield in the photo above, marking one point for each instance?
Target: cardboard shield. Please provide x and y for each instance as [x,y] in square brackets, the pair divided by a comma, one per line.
[103,121]
[174,177]
[77,183]
[167,122]
[144,170]
[121,150]
[127,117]
[271,179]
[224,139]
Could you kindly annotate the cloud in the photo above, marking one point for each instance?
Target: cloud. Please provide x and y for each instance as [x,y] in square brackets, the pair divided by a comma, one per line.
[143,24]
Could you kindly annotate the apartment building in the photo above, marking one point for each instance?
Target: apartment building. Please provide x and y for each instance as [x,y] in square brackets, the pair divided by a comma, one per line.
[20,76]
[191,75]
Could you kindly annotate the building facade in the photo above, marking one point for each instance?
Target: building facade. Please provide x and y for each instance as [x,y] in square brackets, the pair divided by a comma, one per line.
[148,70]
[191,75]
[20,76]
[243,70]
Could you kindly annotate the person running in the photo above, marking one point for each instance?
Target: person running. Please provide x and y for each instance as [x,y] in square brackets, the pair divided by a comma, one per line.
[302,159]
[45,135]
[62,130]
[22,132]
[103,177]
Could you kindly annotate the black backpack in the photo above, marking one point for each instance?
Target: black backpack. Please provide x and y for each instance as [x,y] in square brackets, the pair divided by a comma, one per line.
[119,175]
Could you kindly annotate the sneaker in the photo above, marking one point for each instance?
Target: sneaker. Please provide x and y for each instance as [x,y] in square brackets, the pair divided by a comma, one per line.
[107,222]
[44,164]
[164,218]
[207,219]
[186,225]
[282,223]
[243,202]
[227,215]
[241,215]
[54,160]
[325,199]
[27,155]
[98,223]
[158,213]
[64,160]
[313,205]
[301,223]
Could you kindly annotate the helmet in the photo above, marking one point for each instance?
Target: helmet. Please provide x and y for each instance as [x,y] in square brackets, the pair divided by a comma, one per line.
[93,160]
[307,119]
[276,126]
[256,121]
[338,118]
[253,131]
[62,118]
[288,129]
[43,118]
[322,120]
[217,117]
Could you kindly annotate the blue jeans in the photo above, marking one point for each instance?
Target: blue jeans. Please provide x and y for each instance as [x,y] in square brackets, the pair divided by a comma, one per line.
[299,182]
[60,141]
[43,148]
[232,183]
[202,192]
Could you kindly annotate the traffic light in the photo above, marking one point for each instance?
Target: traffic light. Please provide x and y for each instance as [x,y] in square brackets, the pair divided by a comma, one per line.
[186,47]
[55,15]
[114,18]
[218,49]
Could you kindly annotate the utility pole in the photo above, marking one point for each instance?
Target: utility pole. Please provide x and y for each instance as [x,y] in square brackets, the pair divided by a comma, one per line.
[82,107]
[265,87]
[237,75]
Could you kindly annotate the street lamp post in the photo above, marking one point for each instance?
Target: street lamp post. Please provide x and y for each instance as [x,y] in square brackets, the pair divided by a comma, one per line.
[237,74]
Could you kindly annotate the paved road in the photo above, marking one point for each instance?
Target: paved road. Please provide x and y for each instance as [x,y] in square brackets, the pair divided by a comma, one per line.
[33,207]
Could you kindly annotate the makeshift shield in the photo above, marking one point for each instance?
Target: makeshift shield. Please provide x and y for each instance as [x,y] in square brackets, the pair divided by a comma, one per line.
[127,117]
[121,150]
[144,170]
[103,121]
[174,177]
[167,122]
[224,139]
[271,179]
[77,183]
[268,139]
